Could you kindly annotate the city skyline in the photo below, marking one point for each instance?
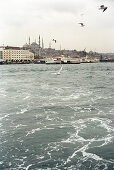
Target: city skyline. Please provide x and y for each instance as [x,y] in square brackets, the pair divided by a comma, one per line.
[58,20]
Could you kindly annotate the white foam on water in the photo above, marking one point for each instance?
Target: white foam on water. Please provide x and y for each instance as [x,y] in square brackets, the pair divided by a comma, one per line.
[111,111]
[27,168]
[3,132]
[7,115]
[50,128]
[71,97]
[54,73]
[1,162]
[74,138]
[75,108]
[3,92]
[105,125]
[27,97]
[18,126]
[44,86]
[82,111]
[91,156]
[88,156]
[86,143]
[33,131]
[75,152]
[3,142]
[48,118]
[47,160]
[22,111]
[27,150]
[108,97]
[1,125]
[39,157]
[100,112]
[20,163]
[107,139]
[10,163]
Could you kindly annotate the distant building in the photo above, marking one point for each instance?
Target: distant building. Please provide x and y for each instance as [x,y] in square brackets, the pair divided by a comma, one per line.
[26,46]
[1,54]
[35,48]
[16,54]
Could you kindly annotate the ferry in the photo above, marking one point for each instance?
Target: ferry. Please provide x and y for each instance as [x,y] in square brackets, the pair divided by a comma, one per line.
[62,60]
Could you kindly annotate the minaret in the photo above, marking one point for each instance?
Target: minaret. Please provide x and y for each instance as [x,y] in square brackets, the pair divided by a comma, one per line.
[39,41]
[50,49]
[60,50]
[39,45]
[42,44]
[29,41]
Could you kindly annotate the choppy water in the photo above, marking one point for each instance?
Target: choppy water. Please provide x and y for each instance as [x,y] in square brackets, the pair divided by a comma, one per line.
[50,121]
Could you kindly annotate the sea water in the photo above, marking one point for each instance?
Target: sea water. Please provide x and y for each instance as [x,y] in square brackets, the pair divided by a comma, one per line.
[57,122]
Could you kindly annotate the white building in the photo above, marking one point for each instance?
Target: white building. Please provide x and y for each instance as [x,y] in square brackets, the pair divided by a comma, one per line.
[15,54]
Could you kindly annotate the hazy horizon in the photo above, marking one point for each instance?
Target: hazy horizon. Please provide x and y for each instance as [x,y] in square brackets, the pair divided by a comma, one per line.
[59,20]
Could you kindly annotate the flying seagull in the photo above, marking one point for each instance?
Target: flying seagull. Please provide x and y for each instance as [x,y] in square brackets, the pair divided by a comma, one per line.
[104,8]
[82,25]
[54,40]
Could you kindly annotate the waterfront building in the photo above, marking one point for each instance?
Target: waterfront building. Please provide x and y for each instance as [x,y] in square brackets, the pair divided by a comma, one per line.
[1,54]
[16,54]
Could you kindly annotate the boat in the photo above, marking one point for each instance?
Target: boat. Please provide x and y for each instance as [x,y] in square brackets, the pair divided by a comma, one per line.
[2,61]
[52,61]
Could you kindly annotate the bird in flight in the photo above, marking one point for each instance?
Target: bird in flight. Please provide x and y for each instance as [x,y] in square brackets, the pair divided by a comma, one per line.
[54,40]
[82,24]
[104,8]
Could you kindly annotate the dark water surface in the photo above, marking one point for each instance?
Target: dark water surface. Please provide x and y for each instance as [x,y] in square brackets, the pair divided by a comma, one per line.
[50,121]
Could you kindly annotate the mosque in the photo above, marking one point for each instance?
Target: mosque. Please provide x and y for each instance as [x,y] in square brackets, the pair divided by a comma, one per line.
[35,47]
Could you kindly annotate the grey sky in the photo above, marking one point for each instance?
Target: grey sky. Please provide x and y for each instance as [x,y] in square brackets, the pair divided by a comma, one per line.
[58,19]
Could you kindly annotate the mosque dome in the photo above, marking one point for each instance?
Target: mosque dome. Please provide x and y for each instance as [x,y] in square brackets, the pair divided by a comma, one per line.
[34,43]
[26,46]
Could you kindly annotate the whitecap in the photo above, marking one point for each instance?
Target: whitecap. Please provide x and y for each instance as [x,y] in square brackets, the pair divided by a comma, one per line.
[33,131]
[39,157]
[106,140]
[27,150]
[105,125]
[3,92]
[22,111]
[1,162]
[85,154]
[27,168]
[91,156]
[26,97]
[75,152]
[18,126]
[72,96]
[7,115]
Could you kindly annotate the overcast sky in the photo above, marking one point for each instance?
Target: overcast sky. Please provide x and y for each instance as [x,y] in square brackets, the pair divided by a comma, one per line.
[58,19]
